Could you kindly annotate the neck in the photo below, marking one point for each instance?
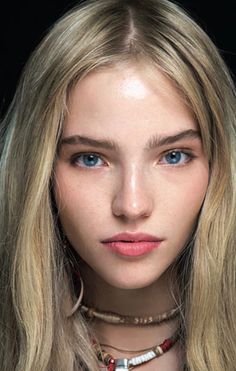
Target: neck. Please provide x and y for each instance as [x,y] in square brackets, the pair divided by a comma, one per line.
[154,299]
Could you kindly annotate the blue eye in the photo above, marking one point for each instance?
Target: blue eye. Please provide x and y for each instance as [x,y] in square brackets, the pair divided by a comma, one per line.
[176,158]
[86,160]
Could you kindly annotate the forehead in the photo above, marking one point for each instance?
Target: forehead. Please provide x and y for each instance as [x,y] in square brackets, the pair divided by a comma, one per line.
[137,96]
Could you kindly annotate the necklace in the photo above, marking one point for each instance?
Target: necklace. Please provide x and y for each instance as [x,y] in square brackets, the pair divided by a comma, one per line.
[125,350]
[115,318]
[124,364]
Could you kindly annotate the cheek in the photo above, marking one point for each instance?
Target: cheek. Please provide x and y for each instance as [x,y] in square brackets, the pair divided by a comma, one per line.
[196,189]
[191,202]
[79,204]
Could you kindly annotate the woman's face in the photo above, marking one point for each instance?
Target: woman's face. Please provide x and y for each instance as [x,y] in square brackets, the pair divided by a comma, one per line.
[130,160]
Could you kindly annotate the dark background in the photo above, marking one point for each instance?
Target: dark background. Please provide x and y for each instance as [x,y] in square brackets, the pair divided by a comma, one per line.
[24,23]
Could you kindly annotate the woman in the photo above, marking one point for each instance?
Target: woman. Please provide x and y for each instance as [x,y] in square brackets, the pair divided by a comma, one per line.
[118,197]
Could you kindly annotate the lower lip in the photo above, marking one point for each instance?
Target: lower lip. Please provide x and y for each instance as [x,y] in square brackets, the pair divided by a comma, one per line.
[132,248]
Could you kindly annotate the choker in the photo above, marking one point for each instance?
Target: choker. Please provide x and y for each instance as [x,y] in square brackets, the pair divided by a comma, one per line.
[115,318]
[123,364]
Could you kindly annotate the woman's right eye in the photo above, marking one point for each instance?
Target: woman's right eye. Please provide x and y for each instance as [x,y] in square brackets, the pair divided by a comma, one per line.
[87,160]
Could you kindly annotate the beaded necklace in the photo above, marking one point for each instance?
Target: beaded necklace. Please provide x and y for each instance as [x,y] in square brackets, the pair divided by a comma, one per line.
[115,318]
[124,364]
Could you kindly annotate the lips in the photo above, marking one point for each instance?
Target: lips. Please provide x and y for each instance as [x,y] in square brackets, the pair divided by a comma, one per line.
[132,237]
[132,245]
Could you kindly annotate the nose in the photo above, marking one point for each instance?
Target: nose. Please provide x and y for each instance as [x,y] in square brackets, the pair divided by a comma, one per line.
[133,198]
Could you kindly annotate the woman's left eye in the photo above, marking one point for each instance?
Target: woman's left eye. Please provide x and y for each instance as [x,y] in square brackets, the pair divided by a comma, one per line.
[87,160]
[176,157]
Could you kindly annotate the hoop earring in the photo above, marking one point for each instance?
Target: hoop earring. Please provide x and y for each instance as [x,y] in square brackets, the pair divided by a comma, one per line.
[68,254]
[78,302]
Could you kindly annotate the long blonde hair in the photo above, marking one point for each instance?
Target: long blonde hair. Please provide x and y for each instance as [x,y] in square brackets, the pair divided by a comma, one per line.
[35,333]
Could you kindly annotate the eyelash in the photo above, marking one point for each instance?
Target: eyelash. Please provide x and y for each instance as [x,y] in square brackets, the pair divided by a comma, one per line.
[190,157]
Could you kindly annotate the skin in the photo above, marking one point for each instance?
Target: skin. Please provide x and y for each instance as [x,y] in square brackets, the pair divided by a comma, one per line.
[132,190]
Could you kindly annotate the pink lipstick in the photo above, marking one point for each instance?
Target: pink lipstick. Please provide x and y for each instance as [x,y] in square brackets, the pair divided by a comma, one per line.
[132,244]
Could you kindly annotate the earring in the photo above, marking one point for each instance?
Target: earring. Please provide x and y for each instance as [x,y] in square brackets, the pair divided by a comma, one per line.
[69,254]
[78,302]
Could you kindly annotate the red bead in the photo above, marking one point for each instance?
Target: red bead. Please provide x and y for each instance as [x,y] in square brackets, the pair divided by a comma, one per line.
[111,366]
[166,345]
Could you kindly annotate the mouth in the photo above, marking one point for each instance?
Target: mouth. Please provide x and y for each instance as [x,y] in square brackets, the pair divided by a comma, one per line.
[132,244]
[132,249]
[132,237]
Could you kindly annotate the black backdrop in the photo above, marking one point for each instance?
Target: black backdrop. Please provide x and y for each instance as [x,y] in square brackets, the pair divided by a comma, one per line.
[24,23]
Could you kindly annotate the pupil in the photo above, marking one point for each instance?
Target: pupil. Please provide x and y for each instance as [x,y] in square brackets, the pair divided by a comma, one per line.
[90,159]
[174,157]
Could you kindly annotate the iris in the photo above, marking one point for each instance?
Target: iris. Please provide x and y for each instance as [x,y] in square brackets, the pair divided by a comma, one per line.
[90,159]
[177,158]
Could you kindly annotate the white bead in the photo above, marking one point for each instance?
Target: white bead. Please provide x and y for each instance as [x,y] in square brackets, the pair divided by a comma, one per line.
[143,358]
[152,354]
[160,350]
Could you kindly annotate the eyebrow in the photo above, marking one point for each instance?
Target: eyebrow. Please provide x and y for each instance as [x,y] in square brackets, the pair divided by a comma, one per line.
[154,142]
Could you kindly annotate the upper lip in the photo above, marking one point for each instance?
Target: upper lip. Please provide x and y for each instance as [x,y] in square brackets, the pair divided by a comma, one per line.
[133,237]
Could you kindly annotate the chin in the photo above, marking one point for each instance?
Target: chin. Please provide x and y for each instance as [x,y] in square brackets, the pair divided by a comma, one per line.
[131,283]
